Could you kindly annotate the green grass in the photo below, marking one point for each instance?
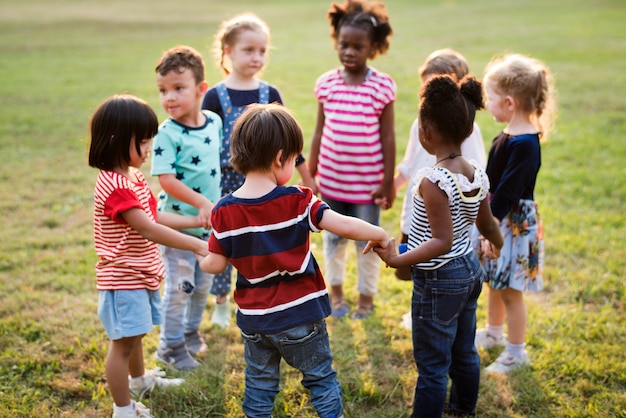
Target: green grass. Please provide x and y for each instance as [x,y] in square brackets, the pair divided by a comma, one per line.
[60,59]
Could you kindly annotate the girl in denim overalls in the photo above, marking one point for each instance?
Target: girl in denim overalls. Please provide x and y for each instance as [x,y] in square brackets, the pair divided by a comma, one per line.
[241,46]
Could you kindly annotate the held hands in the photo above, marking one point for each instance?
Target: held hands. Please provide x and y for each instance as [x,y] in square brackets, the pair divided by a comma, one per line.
[388,253]
[373,245]
[488,250]
[204,215]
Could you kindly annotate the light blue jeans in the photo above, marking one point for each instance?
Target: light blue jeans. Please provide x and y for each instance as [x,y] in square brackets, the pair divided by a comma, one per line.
[306,348]
[185,295]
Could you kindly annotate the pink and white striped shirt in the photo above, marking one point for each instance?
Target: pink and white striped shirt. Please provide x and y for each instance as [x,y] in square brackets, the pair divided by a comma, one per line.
[350,163]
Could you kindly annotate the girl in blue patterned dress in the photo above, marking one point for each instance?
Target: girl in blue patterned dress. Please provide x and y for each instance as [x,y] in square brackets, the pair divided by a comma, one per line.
[520,94]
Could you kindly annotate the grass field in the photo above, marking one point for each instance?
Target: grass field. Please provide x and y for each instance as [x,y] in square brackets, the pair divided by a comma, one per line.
[60,59]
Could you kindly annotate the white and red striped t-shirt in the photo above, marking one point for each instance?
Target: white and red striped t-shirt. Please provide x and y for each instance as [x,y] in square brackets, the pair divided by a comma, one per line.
[350,163]
[127,261]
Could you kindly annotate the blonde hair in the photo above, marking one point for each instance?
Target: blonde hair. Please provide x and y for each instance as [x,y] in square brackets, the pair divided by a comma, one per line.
[229,31]
[530,83]
[444,61]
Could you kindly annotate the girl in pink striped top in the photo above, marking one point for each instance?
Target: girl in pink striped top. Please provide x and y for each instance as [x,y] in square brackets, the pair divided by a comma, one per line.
[353,147]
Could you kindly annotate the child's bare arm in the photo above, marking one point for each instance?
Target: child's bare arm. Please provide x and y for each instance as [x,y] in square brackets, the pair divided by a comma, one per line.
[214,263]
[176,221]
[161,234]
[354,228]
[176,188]
[386,191]
[489,228]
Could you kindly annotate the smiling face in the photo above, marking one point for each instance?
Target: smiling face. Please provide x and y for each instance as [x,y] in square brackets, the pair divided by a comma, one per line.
[248,53]
[180,94]
[354,47]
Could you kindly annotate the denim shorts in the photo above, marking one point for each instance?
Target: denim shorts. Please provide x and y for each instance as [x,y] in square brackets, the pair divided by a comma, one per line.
[129,313]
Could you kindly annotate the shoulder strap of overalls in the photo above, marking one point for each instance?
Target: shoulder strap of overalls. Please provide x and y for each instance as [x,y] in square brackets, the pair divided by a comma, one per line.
[222,95]
[264,92]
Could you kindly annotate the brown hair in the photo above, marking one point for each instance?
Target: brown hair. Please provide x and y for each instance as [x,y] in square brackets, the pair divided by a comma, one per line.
[229,32]
[444,61]
[179,59]
[371,17]
[260,133]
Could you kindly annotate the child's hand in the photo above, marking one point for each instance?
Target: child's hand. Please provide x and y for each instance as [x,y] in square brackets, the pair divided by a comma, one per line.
[372,245]
[204,212]
[381,202]
[311,184]
[488,249]
[388,253]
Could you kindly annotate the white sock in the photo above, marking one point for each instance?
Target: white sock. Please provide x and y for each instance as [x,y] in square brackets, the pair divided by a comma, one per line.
[496,331]
[129,407]
[516,350]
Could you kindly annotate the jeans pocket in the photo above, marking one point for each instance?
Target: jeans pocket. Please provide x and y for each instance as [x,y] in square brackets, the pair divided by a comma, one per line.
[303,347]
[448,303]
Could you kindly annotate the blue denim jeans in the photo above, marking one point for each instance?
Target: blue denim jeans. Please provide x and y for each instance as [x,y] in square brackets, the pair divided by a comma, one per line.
[185,295]
[306,348]
[444,327]
[335,246]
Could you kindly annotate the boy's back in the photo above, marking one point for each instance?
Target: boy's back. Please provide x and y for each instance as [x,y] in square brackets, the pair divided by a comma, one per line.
[279,283]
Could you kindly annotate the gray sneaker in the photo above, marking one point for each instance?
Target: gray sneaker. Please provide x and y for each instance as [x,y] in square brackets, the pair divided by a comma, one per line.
[195,343]
[176,356]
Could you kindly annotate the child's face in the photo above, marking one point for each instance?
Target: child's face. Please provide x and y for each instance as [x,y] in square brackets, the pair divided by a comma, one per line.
[179,94]
[354,47]
[248,53]
[497,104]
[145,146]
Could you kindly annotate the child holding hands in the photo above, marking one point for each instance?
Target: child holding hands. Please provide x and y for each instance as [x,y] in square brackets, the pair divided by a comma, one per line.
[520,94]
[353,149]
[186,160]
[263,229]
[447,276]
[129,270]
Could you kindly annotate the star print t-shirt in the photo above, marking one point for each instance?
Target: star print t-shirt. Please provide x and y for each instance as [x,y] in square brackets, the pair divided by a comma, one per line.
[193,156]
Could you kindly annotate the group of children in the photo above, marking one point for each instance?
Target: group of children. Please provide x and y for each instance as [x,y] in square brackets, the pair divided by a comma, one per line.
[223,159]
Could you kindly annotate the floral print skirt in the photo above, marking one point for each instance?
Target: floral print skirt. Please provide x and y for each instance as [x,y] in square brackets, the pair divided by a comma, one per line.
[520,265]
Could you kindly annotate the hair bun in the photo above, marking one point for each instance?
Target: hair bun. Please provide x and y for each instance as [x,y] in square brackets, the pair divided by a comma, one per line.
[472,90]
[440,89]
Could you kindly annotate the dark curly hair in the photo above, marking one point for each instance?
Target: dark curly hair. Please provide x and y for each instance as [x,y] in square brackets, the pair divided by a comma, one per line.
[372,17]
[450,107]
[179,59]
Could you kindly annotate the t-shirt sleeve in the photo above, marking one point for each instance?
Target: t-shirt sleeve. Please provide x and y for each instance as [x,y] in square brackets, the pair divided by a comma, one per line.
[118,202]
[164,151]
[275,96]
[212,102]
[215,246]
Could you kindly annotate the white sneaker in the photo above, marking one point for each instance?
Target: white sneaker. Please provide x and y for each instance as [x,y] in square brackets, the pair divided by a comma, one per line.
[156,377]
[139,410]
[484,340]
[507,362]
[221,314]
[407,321]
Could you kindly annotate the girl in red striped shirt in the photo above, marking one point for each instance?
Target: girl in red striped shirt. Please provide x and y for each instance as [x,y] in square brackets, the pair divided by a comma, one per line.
[129,270]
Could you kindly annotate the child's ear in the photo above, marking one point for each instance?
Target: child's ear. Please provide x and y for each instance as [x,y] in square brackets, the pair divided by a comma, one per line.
[277,162]
[203,87]
[509,102]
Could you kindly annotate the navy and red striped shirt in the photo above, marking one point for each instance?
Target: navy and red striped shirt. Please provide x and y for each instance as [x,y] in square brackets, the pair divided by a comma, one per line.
[267,239]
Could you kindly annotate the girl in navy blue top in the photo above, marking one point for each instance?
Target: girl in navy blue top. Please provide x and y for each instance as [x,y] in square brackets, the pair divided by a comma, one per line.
[519,94]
